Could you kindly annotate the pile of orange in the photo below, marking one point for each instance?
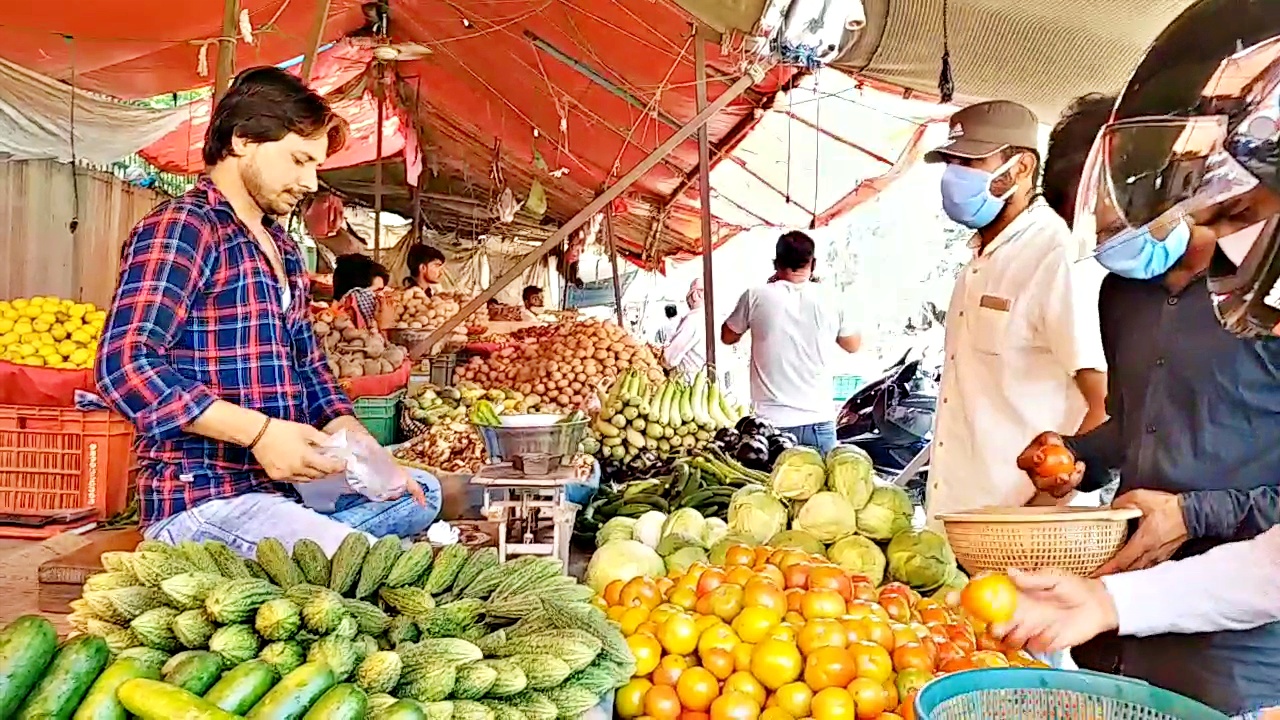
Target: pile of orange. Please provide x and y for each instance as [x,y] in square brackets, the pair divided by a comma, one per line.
[784,635]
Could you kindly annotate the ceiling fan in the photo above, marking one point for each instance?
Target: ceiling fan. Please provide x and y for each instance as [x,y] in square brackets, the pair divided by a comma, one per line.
[375,35]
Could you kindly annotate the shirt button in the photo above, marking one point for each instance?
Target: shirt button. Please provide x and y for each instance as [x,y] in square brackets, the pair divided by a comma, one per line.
[1151,429]
[961,313]
[1173,301]
[944,401]
[1159,362]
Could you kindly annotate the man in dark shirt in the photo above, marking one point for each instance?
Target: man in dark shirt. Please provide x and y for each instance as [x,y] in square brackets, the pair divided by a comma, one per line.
[1194,431]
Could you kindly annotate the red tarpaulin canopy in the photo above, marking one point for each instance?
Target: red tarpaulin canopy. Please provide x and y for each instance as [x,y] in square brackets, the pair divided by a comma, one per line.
[572,95]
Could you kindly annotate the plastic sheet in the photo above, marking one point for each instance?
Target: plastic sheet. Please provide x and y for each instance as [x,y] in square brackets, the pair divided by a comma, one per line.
[42,386]
[378,385]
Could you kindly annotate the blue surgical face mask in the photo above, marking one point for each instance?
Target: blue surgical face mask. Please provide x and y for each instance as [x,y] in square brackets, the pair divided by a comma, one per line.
[966,194]
[1140,255]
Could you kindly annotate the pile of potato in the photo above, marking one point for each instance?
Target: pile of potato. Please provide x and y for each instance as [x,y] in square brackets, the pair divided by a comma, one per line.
[563,363]
[355,352]
[419,312]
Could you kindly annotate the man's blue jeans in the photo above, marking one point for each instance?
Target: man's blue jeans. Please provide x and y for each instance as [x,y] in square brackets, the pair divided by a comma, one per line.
[817,435]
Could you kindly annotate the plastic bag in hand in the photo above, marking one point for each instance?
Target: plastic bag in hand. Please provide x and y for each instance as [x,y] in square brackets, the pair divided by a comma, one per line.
[371,471]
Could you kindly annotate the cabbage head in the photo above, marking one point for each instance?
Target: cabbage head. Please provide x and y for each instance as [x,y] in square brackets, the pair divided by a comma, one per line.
[886,514]
[713,530]
[955,583]
[798,473]
[860,556]
[618,528]
[921,559]
[827,516]
[622,560]
[648,528]
[756,513]
[851,473]
[681,559]
[721,548]
[797,540]
[683,528]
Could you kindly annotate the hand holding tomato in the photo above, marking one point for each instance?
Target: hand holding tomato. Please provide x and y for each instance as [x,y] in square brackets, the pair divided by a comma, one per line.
[1050,465]
[1056,612]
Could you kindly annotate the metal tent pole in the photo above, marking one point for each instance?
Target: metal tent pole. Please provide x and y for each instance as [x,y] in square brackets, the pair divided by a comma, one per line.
[704,204]
[377,172]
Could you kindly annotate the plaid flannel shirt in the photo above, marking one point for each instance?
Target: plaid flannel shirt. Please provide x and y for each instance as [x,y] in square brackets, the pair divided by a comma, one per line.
[199,316]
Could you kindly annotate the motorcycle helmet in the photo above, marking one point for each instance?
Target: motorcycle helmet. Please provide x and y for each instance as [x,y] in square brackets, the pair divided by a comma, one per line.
[1194,139]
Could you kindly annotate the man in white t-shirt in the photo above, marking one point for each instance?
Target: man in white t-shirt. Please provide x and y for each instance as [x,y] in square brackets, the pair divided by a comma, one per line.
[1023,348]
[797,326]
[686,349]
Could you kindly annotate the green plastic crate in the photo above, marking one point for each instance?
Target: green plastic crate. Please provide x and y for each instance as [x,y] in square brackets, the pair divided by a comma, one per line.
[846,386]
[311,255]
[381,415]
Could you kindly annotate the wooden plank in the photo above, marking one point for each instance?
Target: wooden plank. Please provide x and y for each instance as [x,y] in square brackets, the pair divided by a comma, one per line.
[704,203]
[226,69]
[595,206]
[314,39]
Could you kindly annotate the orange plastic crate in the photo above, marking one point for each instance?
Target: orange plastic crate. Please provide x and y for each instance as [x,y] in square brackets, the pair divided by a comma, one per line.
[64,459]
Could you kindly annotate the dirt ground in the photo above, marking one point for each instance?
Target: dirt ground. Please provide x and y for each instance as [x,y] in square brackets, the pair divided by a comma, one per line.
[20,562]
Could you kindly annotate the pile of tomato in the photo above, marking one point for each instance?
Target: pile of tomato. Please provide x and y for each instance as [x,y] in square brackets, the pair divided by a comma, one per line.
[779,634]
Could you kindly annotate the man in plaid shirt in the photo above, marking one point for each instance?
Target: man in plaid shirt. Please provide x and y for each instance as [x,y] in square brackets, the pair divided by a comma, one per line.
[208,347]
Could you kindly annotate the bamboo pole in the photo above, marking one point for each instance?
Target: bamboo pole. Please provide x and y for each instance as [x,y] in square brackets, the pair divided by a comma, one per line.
[314,40]
[613,263]
[377,170]
[226,68]
[704,203]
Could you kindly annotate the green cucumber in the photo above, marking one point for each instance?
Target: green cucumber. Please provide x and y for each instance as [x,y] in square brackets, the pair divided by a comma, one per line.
[195,671]
[342,702]
[155,700]
[401,710]
[76,665]
[27,646]
[101,703]
[295,694]
[242,687]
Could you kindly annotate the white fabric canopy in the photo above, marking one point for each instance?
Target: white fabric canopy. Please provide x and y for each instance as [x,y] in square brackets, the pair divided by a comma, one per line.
[35,121]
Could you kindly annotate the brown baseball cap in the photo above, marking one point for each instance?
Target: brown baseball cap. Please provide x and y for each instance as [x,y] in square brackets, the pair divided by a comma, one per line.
[986,128]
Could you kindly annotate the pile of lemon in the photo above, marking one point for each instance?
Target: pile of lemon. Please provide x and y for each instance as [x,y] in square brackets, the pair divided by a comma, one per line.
[50,332]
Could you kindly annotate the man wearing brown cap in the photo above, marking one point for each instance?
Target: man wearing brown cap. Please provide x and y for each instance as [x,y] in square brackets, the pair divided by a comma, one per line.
[1023,351]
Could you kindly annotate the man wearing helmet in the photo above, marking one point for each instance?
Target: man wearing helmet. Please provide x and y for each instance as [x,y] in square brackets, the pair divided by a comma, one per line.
[1181,194]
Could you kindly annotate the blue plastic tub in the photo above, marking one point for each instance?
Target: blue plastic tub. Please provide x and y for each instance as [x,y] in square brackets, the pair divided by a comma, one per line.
[1038,694]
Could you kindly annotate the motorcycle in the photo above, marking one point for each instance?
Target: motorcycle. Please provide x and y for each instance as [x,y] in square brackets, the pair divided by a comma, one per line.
[891,418]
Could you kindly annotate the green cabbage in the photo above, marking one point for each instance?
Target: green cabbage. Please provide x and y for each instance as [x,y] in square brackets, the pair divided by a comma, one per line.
[618,528]
[683,528]
[886,514]
[851,473]
[827,516]
[648,528]
[954,583]
[757,514]
[921,559]
[622,560]
[681,559]
[721,548]
[713,530]
[798,473]
[859,555]
[798,540]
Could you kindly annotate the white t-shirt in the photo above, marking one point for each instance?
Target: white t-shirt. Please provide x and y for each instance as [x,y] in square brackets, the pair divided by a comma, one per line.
[793,328]
[1023,319]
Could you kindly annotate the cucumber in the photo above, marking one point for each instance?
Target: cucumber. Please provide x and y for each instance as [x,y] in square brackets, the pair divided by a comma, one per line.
[75,666]
[342,702]
[401,710]
[27,646]
[155,700]
[242,687]
[295,694]
[195,671]
[101,703]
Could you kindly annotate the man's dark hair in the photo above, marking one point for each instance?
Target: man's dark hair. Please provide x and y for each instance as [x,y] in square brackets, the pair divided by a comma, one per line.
[794,252]
[671,311]
[355,271]
[529,291]
[263,105]
[1069,145]
[419,256]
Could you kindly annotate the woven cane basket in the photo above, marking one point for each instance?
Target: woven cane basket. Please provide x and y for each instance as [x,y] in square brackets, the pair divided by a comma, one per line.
[1073,540]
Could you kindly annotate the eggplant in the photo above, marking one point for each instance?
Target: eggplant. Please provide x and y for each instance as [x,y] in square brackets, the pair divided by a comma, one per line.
[789,438]
[753,453]
[766,428]
[727,439]
[747,425]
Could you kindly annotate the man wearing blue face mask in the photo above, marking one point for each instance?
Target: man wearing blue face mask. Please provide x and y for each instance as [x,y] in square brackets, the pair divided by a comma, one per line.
[1023,350]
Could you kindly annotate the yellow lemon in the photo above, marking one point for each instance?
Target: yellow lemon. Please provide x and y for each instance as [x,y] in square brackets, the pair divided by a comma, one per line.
[81,356]
[22,327]
[5,325]
[19,303]
[9,338]
[41,326]
[35,360]
[58,332]
[31,311]
[81,336]
[66,347]
[30,337]
[10,314]
[77,311]
[73,323]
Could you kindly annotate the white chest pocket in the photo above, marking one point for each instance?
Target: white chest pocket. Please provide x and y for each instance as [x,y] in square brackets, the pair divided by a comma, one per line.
[989,324]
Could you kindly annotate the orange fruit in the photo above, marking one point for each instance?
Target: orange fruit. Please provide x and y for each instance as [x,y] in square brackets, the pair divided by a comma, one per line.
[739,575]
[796,575]
[640,590]
[694,715]
[669,670]
[662,703]
[613,592]
[772,575]
[683,598]
[1054,460]
[746,684]
[739,555]
[785,632]
[831,577]
[989,659]
[794,697]
[615,612]
[903,634]
[763,593]
[907,708]
[821,633]
[718,662]
[679,634]
[794,618]
[891,694]
[710,579]
[647,651]
[632,618]
[719,636]
[829,667]
[735,706]
[697,689]
[776,713]
[754,623]
[660,614]
[873,661]
[910,681]
[628,702]
[776,663]
[822,604]
[897,606]
[742,656]
[833,703]
[705,622]
[869,697]
[879,632]
[725,601]
[912,656]
[990,598]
